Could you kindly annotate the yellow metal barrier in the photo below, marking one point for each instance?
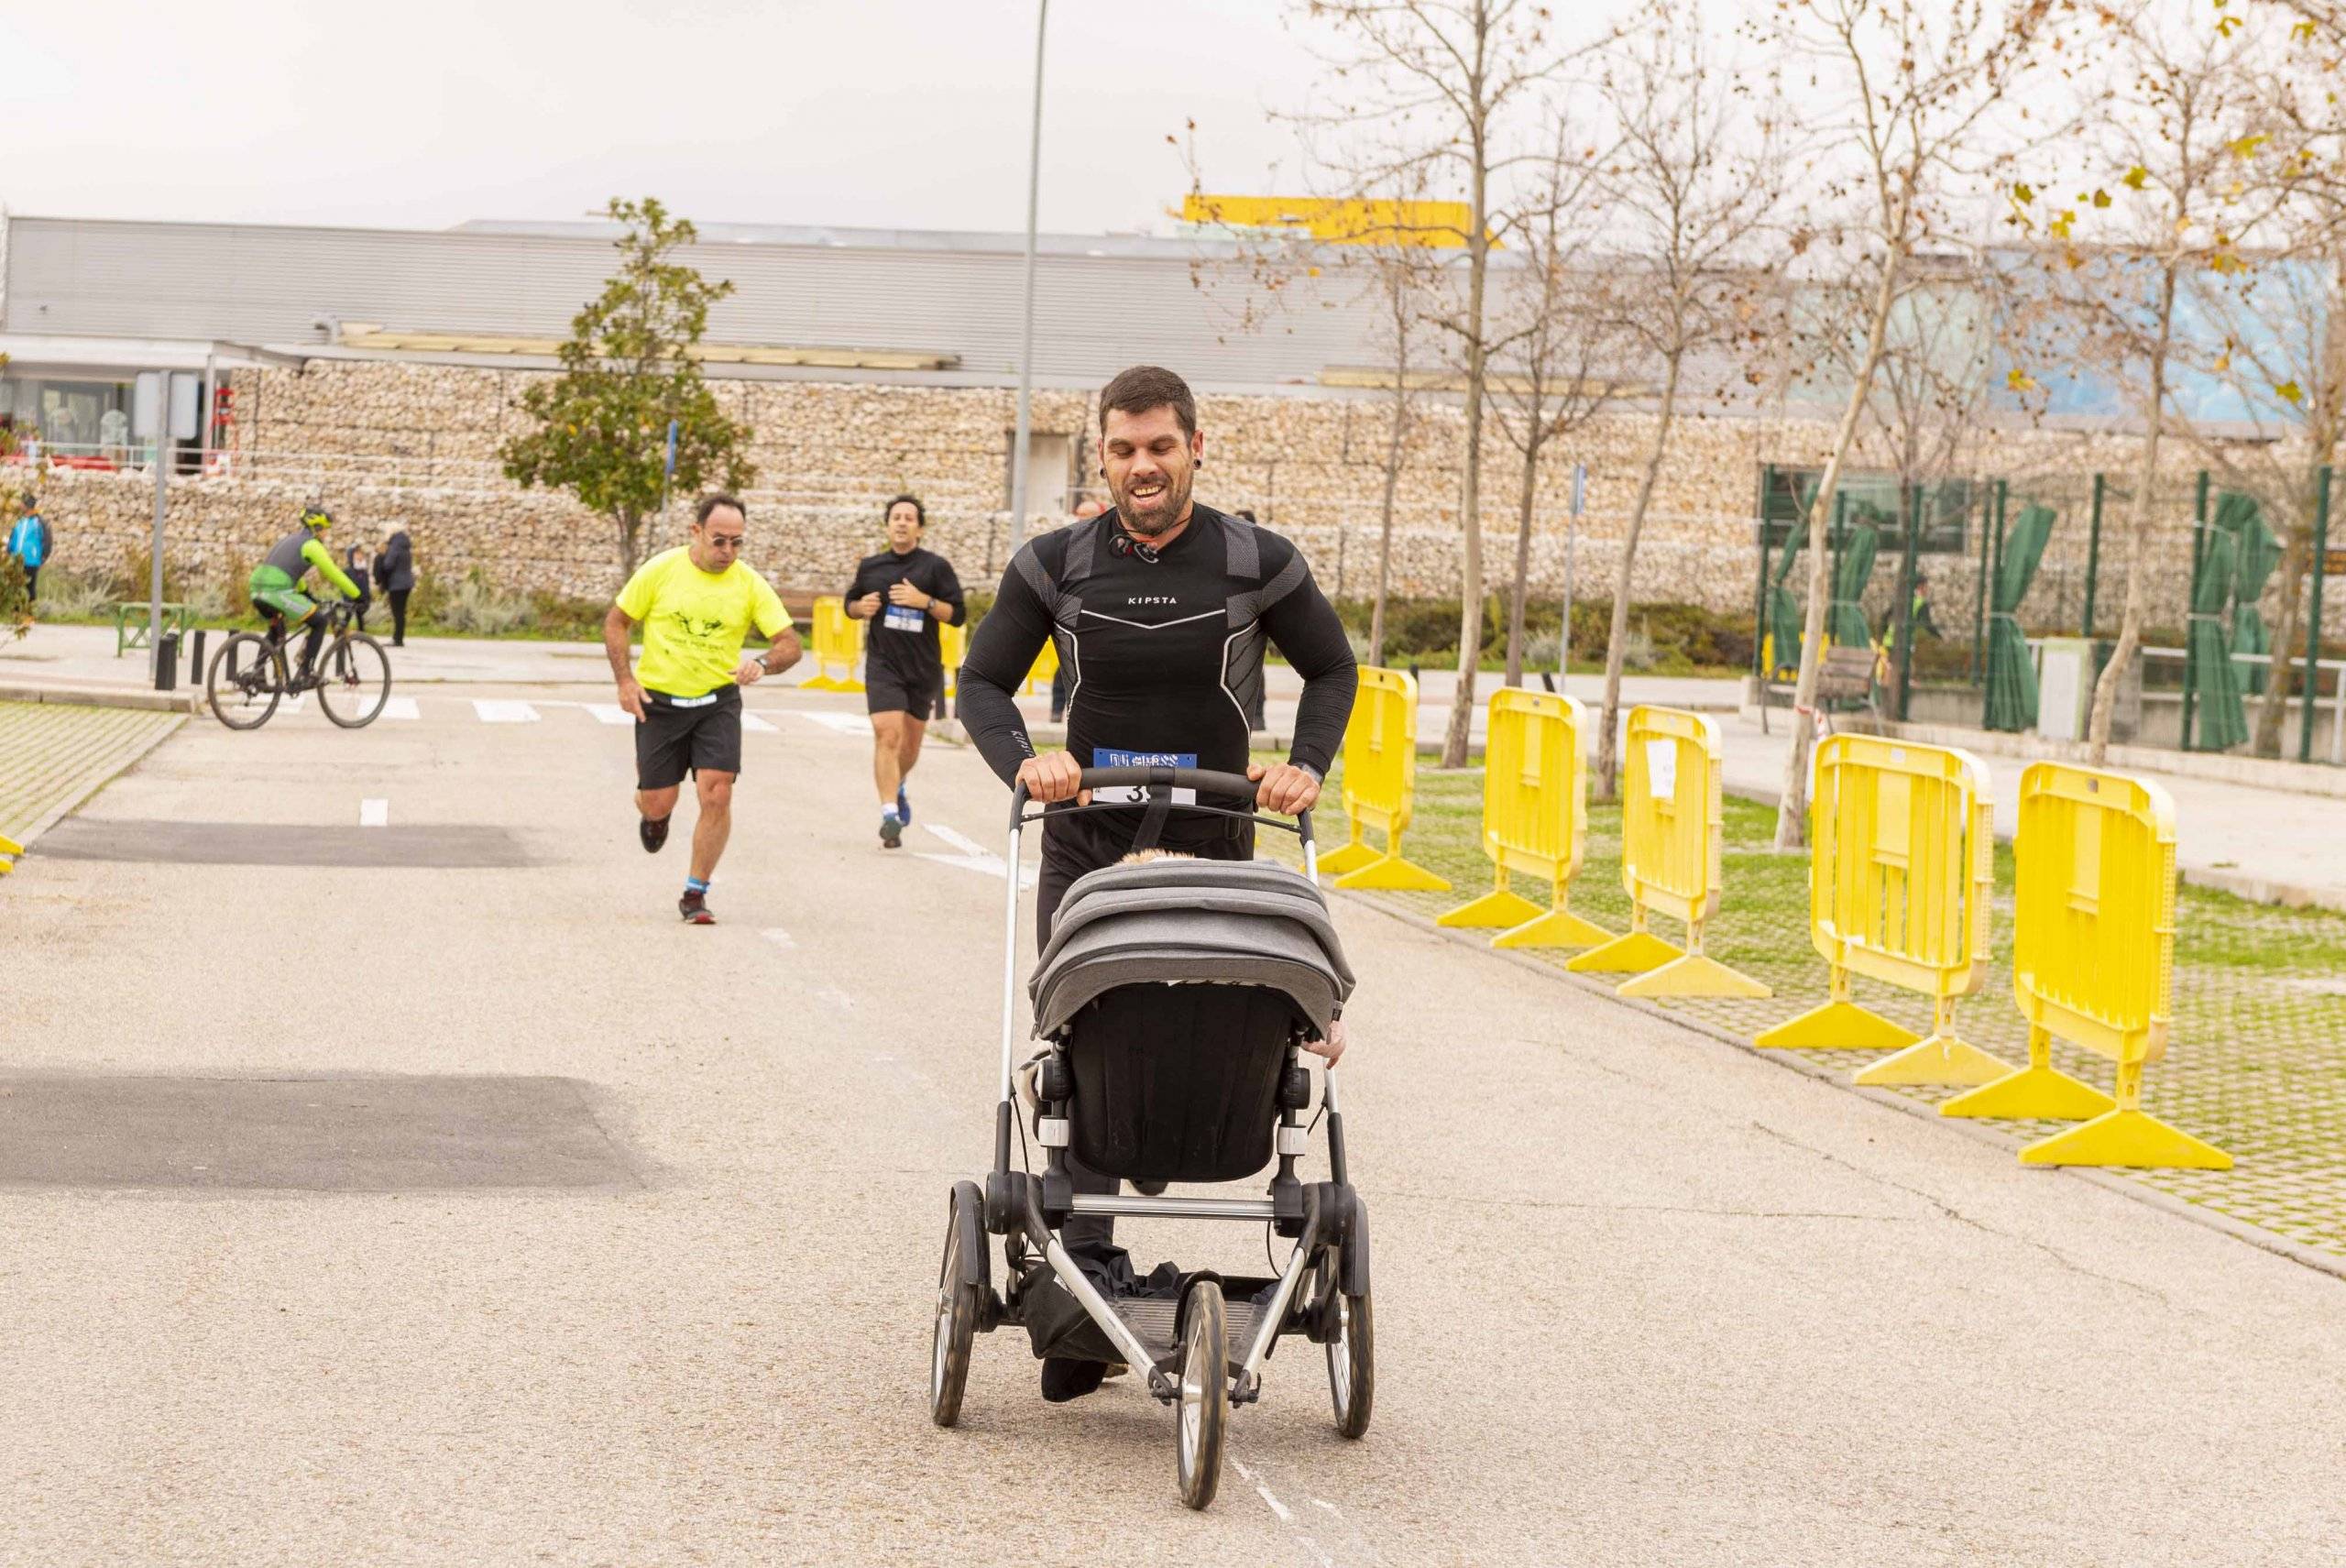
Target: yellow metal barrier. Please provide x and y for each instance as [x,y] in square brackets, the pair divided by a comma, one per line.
[1535,819]
[952,647]
[1901,872]
[1380,784]
[1672,821]
[1046,669]
[839,643]
[8,846]
[2093,963]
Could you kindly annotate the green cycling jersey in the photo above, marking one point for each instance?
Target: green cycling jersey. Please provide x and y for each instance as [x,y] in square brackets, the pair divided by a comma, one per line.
[276,584]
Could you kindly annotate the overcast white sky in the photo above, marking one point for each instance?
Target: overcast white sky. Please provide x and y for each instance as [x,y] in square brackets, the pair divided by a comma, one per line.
[423,113]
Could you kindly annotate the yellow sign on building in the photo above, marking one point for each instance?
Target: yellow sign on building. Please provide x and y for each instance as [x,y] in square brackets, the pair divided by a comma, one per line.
[1436,225]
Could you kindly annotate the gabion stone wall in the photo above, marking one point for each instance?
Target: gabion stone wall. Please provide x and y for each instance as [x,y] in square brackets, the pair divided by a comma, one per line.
[416,444]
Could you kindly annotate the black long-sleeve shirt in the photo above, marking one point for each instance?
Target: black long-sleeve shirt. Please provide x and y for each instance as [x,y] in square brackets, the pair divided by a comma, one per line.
[905,641]
[1164,647]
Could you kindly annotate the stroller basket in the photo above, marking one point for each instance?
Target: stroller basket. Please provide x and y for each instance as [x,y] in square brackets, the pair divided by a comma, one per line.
[1177,986]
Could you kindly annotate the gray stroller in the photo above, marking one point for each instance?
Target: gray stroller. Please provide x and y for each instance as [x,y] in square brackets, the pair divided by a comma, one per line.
[1174,999]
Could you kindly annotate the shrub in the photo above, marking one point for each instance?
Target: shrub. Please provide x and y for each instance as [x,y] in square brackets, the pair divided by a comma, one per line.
[477,607]
[75,596]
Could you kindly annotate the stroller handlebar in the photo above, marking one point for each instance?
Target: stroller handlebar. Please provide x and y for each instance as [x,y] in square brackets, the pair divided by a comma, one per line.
[1205,781]
[1160,783]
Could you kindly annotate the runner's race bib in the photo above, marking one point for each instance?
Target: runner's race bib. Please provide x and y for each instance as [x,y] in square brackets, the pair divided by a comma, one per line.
[1137,794]
[903,618]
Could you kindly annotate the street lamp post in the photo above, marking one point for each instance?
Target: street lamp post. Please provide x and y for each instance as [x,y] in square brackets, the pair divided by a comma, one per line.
[1027,336]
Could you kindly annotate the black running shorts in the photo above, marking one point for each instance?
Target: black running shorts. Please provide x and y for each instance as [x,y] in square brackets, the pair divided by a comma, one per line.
[886,691]
[680,736]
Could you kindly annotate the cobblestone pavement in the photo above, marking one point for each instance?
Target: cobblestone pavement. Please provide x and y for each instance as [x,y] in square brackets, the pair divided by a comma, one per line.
[2256,1061]
[53,755]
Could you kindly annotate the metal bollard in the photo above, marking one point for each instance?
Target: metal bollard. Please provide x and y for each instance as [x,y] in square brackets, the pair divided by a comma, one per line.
[195,659]
[166,662]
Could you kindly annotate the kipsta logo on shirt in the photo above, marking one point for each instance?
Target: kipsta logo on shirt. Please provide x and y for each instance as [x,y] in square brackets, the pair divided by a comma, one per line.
[1151,598]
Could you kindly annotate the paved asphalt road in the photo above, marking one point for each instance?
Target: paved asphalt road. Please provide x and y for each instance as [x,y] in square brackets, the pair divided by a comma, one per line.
[630,1260]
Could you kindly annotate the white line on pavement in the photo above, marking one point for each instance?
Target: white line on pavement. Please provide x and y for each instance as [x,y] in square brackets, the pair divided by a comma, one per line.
[1286,1514]
[610,713]
[756,726]
[493,712]
[778,936]
[374,813]
[971,857]
[844,723]
[399,707]
[960,840]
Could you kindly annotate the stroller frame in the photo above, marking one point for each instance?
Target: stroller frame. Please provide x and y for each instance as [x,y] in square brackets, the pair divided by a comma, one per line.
[1200,1372]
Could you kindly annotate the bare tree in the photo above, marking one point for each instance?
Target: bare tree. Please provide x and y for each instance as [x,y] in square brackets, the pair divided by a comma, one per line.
[1557,339]
[1400,286]
[2171,141]
[2274,334]
[1433,90]
[1695,186]
[1921,85]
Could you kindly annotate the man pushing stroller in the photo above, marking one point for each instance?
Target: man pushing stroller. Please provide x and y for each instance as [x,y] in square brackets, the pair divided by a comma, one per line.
[1161,610]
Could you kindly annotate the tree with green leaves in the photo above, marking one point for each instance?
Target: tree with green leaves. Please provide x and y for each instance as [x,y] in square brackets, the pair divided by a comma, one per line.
[628,369]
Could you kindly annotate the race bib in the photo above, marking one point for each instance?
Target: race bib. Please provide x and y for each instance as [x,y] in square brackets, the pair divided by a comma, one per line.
[903,618]
[1137,794]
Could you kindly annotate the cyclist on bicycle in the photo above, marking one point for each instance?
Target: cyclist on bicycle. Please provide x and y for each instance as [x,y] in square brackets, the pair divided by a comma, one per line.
[276,584]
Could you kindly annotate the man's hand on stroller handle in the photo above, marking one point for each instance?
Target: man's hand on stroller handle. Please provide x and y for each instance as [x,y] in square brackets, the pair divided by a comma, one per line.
[1333,1046]
[1285,788]
[1053,776]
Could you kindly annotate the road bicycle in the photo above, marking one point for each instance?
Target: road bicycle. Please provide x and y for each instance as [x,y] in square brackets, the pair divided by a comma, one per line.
[251,674]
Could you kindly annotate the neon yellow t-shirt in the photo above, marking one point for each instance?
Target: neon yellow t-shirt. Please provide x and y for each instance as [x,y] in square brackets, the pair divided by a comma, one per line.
[694,621]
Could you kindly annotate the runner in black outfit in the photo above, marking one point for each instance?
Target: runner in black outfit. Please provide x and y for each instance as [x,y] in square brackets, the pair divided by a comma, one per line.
[906,593]
[1161,610]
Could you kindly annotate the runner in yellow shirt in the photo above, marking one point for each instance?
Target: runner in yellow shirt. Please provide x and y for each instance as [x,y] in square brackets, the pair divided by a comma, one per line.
[696,605]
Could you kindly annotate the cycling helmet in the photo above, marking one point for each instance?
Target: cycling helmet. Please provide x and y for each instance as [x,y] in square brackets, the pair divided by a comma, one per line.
[316,519]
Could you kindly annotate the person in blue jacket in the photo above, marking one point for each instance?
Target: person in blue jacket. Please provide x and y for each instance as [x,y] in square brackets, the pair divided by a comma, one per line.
[30,543]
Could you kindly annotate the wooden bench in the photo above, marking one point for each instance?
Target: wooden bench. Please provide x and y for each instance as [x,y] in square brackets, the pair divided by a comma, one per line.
[1845,682]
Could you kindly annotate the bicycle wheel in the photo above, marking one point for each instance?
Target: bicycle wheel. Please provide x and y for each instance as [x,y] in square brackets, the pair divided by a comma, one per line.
[353,680]
[245,682]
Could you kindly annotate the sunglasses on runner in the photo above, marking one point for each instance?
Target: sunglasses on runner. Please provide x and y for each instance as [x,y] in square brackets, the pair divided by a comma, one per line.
[726,541]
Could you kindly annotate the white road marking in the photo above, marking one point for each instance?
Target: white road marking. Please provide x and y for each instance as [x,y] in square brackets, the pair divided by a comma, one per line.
[504,712]
[756,726]
[610,713]
[1286,1514]
[844,723]
[960,840]
[991,865]
[374,813]
[973,856]
[778,936]
[399,707]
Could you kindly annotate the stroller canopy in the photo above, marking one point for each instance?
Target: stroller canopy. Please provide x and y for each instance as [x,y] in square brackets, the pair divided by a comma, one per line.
[1181,922]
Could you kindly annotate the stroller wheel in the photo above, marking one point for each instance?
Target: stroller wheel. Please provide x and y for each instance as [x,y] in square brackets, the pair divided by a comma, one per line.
[957,1302]
[1351,1363]
[1202,1411]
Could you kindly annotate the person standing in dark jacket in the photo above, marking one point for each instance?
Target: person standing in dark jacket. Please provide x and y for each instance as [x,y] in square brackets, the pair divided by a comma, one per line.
[906,593]
[361,568]
[395,575]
